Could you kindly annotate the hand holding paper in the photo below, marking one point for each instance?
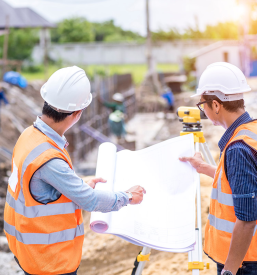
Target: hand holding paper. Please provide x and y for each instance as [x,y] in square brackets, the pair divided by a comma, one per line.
[138,193]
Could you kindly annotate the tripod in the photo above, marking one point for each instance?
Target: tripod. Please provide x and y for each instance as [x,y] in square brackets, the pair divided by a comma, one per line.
[195,257]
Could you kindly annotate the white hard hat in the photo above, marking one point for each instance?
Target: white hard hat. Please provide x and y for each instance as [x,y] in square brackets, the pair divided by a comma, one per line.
[67,90]
[224,80]
[118,97]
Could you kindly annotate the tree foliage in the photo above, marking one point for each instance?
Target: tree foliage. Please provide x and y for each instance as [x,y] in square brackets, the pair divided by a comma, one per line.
[73,30]
[162,35]
[226,30]
[109,32]
[21,43]
[80,30]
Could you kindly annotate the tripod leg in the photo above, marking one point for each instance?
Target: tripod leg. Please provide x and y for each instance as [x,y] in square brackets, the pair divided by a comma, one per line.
[199,213]
[141,265]
[207,150]
[205,155]
[196,254]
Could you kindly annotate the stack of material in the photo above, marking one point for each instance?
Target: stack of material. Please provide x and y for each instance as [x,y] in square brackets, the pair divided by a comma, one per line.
[149,98]
[25,105]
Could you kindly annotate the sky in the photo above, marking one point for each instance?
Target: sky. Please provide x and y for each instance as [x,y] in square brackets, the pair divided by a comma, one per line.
[130,14]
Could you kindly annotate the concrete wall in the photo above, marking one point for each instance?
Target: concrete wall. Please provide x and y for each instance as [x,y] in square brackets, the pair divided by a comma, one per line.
[217,55]
[118,53]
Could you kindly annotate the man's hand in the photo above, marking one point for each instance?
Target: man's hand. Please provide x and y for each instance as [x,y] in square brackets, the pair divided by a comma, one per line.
[200,165]
[138,193]
[94,181]
[196,161]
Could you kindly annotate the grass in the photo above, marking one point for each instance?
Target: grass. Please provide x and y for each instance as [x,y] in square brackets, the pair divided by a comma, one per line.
[138,71]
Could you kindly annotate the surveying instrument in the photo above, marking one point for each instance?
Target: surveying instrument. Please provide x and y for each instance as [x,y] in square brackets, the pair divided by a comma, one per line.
[191,120]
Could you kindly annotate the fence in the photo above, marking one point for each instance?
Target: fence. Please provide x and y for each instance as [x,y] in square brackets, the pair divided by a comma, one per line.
[96,115]
[119,53]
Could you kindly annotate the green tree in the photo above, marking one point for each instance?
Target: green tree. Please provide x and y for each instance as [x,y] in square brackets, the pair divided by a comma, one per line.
[169,35]
[109,32]
[226,30]
[81,30]
[21,43]
[73,30]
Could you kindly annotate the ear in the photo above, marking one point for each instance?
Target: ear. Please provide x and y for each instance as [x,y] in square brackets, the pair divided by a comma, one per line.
[216,106]
[77,113]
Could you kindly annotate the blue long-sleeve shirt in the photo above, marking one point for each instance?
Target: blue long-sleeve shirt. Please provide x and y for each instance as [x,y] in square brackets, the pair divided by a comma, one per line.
[241,171]
[56,178]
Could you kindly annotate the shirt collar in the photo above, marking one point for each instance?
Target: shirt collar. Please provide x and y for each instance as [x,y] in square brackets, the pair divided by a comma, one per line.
[61,142]
[244,118]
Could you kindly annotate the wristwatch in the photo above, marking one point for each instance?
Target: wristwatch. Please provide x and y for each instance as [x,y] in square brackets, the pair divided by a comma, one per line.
[226,272]
[129,195]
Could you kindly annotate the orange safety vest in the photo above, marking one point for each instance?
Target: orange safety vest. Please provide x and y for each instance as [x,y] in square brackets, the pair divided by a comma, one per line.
[45,238]
[222,218]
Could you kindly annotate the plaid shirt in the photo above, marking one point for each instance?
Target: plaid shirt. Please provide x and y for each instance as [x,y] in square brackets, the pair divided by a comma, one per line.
[241,171]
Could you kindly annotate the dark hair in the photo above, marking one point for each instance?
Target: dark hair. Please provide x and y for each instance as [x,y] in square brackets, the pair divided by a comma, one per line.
[230,106]
[56,116]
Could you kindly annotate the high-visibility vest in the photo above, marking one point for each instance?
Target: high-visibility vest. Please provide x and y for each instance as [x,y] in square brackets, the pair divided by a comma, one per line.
[45,238]
[222,218]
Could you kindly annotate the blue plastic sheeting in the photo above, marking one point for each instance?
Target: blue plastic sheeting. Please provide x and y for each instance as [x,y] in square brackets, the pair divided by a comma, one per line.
[169,97]
[15,78]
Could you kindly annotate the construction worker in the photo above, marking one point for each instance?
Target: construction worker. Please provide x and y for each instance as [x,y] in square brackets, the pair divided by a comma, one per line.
[116,105]
[117,117]
[43,218]
[230,233]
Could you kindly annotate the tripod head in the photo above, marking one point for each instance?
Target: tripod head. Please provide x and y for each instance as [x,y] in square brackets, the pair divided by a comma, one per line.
[191,118]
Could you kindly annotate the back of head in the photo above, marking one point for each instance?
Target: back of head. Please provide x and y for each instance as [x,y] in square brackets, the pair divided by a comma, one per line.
[67,90]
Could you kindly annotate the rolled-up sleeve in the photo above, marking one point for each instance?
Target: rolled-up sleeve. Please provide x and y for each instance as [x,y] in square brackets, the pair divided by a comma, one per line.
[241,170]
[60,176]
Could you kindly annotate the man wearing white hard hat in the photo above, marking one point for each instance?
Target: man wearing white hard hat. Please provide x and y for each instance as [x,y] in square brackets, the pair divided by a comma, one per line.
[43,213]
[230,233]
[116,119]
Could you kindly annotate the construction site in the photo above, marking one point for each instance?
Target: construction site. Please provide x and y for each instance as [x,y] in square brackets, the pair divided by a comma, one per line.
[153,73]
[102,254]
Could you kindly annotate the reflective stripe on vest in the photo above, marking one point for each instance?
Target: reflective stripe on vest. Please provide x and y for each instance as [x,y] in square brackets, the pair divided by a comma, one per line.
[222,198]
[223,225]
[247,133]
[41,210]
[40,238]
